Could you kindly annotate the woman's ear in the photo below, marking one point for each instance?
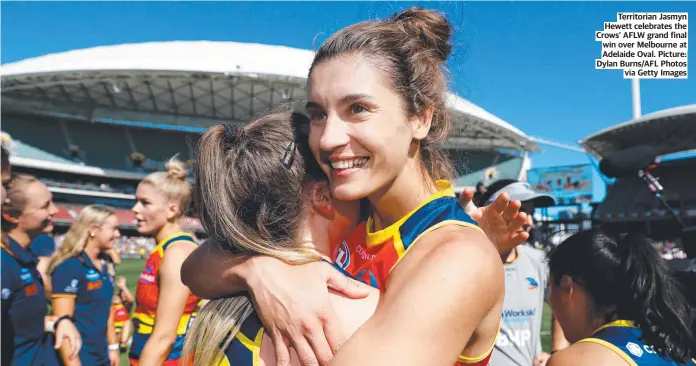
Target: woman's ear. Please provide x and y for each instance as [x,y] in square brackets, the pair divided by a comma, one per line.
[321,199]
[567,286]
[9,218]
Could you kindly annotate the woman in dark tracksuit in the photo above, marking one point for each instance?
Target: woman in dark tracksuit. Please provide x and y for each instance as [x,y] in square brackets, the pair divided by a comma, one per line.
[25,216]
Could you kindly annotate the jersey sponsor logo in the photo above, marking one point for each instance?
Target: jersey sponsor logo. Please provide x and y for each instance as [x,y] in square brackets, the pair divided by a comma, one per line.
[517,315]
[6,293]
[533,284]
[31,290]
[94,285]
[92,275]
[634,349]
[146,277]
[519,338]
[26,276]
[364,255]
[343,256]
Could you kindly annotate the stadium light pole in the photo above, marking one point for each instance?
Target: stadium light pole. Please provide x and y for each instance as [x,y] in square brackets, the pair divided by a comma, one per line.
[635,87]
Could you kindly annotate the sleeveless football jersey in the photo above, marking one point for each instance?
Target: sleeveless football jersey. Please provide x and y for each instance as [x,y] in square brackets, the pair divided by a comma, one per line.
[626,340]
[147,295]
[369,256]
[120,316]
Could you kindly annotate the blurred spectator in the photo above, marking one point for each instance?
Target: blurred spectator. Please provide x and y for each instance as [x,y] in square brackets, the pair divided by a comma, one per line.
[526,287]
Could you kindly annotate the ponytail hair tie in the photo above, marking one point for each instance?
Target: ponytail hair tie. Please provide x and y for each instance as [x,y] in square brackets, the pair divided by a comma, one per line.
[231,135]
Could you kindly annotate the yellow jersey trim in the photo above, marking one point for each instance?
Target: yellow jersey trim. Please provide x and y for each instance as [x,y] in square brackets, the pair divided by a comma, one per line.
[253,346]
[467,360]
[617,323]
[158,248]
[611,347]
[446,189]
[400,244]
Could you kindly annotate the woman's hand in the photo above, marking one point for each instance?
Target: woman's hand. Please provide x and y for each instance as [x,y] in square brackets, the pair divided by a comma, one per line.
[502,220]
[66,331]
[293,304]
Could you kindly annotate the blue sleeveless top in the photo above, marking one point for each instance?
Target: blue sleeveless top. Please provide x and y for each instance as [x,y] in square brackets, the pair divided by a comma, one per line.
[626,340]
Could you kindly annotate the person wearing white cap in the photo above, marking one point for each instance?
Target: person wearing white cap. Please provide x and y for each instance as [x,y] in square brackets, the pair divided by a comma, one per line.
[526,272]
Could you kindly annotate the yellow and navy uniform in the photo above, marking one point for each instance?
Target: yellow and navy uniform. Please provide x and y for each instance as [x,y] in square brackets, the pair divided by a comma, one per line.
[369,257]
[626,340]
[245,348]
[147,296]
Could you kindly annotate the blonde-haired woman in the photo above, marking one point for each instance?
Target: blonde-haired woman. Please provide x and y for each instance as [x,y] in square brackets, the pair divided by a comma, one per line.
[27,214]
[83,286]
[164,305]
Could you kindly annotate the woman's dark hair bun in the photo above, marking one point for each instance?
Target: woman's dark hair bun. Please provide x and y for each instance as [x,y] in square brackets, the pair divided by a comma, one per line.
[431,27]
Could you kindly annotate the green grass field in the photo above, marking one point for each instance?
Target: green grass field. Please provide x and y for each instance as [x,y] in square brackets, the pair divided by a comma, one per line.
[131,268]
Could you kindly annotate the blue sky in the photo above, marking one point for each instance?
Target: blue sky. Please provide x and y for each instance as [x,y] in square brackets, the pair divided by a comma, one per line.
[531,64]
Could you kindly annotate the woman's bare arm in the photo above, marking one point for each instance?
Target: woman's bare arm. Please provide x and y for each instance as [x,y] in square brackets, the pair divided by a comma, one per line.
[436,297]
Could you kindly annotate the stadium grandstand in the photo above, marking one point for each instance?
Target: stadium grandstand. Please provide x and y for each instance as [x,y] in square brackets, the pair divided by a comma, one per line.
[629,204]
[92,122]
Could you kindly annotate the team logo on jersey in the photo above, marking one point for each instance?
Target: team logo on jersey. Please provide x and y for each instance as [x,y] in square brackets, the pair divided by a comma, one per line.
[72,287]
[367,277]
[634,349]
[343,256]
[533,284]
[6,293]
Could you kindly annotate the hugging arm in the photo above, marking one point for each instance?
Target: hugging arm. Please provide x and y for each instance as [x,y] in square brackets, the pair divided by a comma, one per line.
[292,301]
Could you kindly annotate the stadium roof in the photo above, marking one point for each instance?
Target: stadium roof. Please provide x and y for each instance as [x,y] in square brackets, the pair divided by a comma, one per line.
[667,131]
[197,84]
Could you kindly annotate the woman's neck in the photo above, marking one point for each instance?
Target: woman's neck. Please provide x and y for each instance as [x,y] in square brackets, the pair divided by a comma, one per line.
[21,237]
[168,230]
[92,252]
[400,197]
[315,236]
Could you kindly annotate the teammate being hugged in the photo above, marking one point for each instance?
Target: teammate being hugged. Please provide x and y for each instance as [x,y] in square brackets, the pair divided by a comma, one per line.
[82,285]
[27,214]
[618,304]
[164,306]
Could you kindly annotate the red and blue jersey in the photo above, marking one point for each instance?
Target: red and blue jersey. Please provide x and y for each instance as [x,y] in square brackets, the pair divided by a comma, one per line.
[147,296]
[369,256]
[121,316]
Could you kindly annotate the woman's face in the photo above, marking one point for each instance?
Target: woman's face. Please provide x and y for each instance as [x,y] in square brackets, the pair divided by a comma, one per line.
[151,209]
[105,235]
[570,306]
[5,175]
[359,131]
[37,216]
